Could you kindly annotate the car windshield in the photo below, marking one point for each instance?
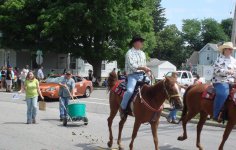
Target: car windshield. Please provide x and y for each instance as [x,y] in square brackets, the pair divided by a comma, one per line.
[54,79]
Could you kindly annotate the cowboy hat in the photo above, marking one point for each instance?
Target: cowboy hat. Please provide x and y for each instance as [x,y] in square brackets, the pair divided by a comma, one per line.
[226,45]
[135,39]
[68,73]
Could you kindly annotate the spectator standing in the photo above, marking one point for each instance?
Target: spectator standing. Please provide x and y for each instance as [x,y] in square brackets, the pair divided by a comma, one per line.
[9,77]
[32,92]
[197,80]
[40,73]
[3,77]
[22,78]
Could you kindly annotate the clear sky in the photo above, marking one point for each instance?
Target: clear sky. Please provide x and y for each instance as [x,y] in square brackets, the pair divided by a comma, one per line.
[177,10]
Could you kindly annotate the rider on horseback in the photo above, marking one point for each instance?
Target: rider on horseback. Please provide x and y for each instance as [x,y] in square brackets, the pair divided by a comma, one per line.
[135,67]
[224,73]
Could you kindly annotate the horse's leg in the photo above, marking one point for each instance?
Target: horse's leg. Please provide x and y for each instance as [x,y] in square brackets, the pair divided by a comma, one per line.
[185,120]
[113,111]
[228,129]
[135,131]
[121,125]
[202,120]
[154,126]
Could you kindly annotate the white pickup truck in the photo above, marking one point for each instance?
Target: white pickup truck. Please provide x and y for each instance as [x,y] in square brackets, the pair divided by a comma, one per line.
[185,77]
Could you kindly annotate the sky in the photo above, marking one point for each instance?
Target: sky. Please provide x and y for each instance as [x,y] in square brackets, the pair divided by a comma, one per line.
[177,10]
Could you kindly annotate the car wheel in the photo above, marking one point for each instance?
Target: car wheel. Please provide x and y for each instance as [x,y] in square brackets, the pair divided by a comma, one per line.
[87,92]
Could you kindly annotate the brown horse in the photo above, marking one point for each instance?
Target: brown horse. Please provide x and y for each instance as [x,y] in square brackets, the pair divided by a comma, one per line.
[145,107]
[194,104]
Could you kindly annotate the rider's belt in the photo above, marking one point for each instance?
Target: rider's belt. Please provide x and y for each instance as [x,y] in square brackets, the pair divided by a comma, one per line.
[141,72]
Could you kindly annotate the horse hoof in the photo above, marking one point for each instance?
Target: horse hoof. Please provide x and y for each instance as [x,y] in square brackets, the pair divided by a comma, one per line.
[199,147]
[109,144]
[182,138]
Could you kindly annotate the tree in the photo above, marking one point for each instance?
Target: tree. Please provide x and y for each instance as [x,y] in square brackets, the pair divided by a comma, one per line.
[159,16]
[19,24]
[170,45]
[212,31]
[191,31]
[227,25]
[94,30]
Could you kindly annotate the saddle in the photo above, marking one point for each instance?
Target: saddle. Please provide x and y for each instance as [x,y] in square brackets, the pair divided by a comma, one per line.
[121,86]
[209,93]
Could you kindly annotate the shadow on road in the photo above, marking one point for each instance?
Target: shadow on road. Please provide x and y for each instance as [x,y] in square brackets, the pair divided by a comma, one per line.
[85,146]
[14,123]
[169,147]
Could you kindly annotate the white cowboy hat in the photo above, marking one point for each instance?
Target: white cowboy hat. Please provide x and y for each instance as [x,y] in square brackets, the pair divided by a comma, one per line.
[226,45]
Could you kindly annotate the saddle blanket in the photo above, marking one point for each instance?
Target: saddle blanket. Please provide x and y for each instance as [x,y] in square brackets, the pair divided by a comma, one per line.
[119,88]
[209,93]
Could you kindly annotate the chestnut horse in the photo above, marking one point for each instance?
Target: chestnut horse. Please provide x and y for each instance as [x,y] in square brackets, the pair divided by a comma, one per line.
[194,104]
[147,107]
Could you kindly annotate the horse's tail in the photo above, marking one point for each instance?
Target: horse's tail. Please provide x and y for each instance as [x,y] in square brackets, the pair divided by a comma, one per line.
[185,108]
[111,80]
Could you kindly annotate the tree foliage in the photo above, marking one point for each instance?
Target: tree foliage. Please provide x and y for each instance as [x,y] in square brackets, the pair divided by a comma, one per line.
[159,16]
[170,45]
[227,25]
[94,30]
[192,34]
[212,32]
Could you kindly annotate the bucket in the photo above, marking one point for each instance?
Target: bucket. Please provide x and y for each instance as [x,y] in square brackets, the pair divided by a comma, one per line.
[76,110]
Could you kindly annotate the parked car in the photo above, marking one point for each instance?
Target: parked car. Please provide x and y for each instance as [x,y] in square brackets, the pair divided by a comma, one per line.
[185,77]
[50,87]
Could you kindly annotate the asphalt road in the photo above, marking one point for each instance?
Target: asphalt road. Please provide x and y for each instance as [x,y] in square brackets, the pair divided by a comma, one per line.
[49,134]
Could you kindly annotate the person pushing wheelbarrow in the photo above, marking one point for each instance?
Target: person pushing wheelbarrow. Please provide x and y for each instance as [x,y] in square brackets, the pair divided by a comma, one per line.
[66,92]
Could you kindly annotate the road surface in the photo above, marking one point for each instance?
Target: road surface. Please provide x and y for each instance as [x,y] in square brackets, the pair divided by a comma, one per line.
[49,134]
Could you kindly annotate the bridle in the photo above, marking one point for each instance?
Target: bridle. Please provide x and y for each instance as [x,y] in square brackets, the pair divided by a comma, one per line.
[143,101]
[167,93]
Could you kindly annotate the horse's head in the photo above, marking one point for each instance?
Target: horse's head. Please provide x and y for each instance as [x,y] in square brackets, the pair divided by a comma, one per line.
[173,92]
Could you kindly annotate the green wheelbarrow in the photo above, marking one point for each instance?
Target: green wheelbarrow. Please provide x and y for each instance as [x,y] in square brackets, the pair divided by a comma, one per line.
[76,112]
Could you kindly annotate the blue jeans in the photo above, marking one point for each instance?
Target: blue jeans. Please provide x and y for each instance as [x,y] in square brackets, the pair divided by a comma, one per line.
[132,80]
[32,107]
[222,92]
[172,114]
[63,111]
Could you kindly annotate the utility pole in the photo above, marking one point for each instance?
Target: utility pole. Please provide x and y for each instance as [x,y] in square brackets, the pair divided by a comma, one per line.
[233,36]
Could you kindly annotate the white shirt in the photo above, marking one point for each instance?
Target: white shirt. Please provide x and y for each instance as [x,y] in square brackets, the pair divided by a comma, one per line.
[221,67]
[134,59]
[40,74]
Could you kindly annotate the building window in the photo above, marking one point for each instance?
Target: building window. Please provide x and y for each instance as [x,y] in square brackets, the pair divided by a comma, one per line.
[208,48]
[208,57]
[103,65]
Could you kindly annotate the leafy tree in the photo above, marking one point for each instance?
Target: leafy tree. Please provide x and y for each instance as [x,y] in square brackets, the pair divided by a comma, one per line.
[227,25]
[159,16]
[170,45]
[212,32]
[191,31]
[19,24]
[94,30]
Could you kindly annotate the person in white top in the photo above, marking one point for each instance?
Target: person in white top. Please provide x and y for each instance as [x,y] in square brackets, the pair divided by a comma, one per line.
[224,73]
[40,74]
[135,67]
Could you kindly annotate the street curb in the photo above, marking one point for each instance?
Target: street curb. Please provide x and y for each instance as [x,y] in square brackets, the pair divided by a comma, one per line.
[195,121]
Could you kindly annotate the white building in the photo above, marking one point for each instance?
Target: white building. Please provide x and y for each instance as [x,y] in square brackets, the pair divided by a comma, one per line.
[51,60]
[160,68]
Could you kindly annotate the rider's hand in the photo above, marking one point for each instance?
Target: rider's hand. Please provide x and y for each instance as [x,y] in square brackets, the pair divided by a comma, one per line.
[147,69]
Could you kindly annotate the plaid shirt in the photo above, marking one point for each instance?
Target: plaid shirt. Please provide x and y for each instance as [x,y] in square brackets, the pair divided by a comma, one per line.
[134,59]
